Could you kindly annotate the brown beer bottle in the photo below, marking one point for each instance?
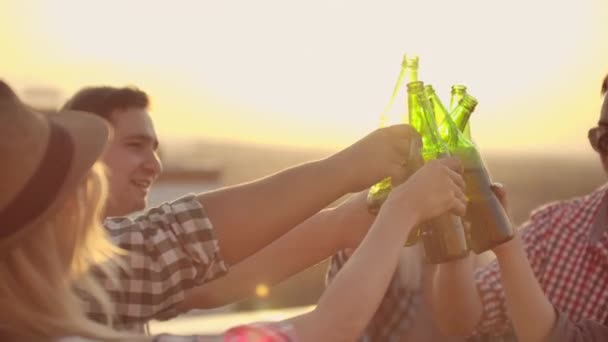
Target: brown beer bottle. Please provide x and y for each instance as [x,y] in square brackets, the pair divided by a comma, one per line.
[489,224]
[444,237]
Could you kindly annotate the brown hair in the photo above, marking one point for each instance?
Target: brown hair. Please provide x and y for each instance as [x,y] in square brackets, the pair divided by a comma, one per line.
[104,100]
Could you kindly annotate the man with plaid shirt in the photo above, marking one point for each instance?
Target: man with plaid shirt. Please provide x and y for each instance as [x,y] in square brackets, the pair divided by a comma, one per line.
[191,241]
[567,245]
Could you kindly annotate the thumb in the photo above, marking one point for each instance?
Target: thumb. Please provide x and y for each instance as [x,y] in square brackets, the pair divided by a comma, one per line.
[453,163]
[499,191]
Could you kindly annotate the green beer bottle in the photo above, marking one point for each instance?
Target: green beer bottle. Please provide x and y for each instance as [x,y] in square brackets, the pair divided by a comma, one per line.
[444,237]
[438,109]
[462,121]
[488,222]
[413,64]
[459,118]
[457,93]
[379,192]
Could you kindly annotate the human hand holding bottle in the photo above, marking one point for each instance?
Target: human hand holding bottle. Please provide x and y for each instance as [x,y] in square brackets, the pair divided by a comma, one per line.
[382,153]
[532,314]
[348,303]
[434,189]
[510,246]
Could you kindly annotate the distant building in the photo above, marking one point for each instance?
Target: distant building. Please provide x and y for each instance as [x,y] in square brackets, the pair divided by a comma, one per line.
[43,98]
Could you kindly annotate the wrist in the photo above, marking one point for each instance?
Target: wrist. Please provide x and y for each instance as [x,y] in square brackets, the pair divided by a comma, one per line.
[404,209]
[335,167]
[350,221]
[509,249]
[402,223]
[332,231]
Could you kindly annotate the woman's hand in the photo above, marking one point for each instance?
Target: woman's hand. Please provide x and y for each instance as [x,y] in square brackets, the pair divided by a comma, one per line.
[434,189]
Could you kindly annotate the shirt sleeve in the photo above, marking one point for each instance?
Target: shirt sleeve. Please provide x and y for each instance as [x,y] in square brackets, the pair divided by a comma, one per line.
[584,331]
[171,249]
[494,320]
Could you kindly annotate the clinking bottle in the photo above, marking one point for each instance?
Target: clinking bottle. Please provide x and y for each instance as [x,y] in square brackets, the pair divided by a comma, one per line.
[379,192]
[444,237]
[462,121]
[488,223]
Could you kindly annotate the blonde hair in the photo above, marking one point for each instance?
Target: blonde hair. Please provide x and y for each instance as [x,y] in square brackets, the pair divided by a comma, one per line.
[45,273]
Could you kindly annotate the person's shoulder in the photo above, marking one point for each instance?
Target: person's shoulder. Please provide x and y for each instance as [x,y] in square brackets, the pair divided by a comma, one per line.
[563,212]
[114,223]
[187,206]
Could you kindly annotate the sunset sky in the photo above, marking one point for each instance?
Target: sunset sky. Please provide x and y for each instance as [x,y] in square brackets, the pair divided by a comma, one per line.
[317,73]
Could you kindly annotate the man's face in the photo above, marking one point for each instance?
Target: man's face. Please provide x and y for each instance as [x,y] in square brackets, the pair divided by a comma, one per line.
[598,136]
[132,162]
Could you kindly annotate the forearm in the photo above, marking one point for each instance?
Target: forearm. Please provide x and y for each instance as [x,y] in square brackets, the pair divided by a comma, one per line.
[531,312]
[248,217]
[343,311]
[309,243]
[456,303]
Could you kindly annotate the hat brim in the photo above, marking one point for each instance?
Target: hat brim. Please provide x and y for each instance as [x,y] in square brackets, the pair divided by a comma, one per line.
[90,135]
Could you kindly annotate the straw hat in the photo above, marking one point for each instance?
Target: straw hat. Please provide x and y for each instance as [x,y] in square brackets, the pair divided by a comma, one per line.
[42,159]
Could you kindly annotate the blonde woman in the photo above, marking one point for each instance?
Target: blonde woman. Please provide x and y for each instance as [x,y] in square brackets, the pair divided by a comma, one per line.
[50,195]
[51,190]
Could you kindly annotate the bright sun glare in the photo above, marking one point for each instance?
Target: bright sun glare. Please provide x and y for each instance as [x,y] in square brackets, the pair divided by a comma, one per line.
[280,72]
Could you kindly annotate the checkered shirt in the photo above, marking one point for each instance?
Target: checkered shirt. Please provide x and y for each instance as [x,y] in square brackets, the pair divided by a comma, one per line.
[172,248]
[572,270]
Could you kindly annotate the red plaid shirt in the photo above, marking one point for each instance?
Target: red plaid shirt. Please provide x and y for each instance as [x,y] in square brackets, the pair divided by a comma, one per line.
[571,267]
[262,332]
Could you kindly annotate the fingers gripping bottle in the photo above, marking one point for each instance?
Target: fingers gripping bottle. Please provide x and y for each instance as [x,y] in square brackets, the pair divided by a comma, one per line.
[444,237]
[488,223]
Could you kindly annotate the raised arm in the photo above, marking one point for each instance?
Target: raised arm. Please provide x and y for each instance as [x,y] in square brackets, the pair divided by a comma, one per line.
[455,302]
[466,300]
[349,303]
[306,245]
[248,217]
[530,311]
